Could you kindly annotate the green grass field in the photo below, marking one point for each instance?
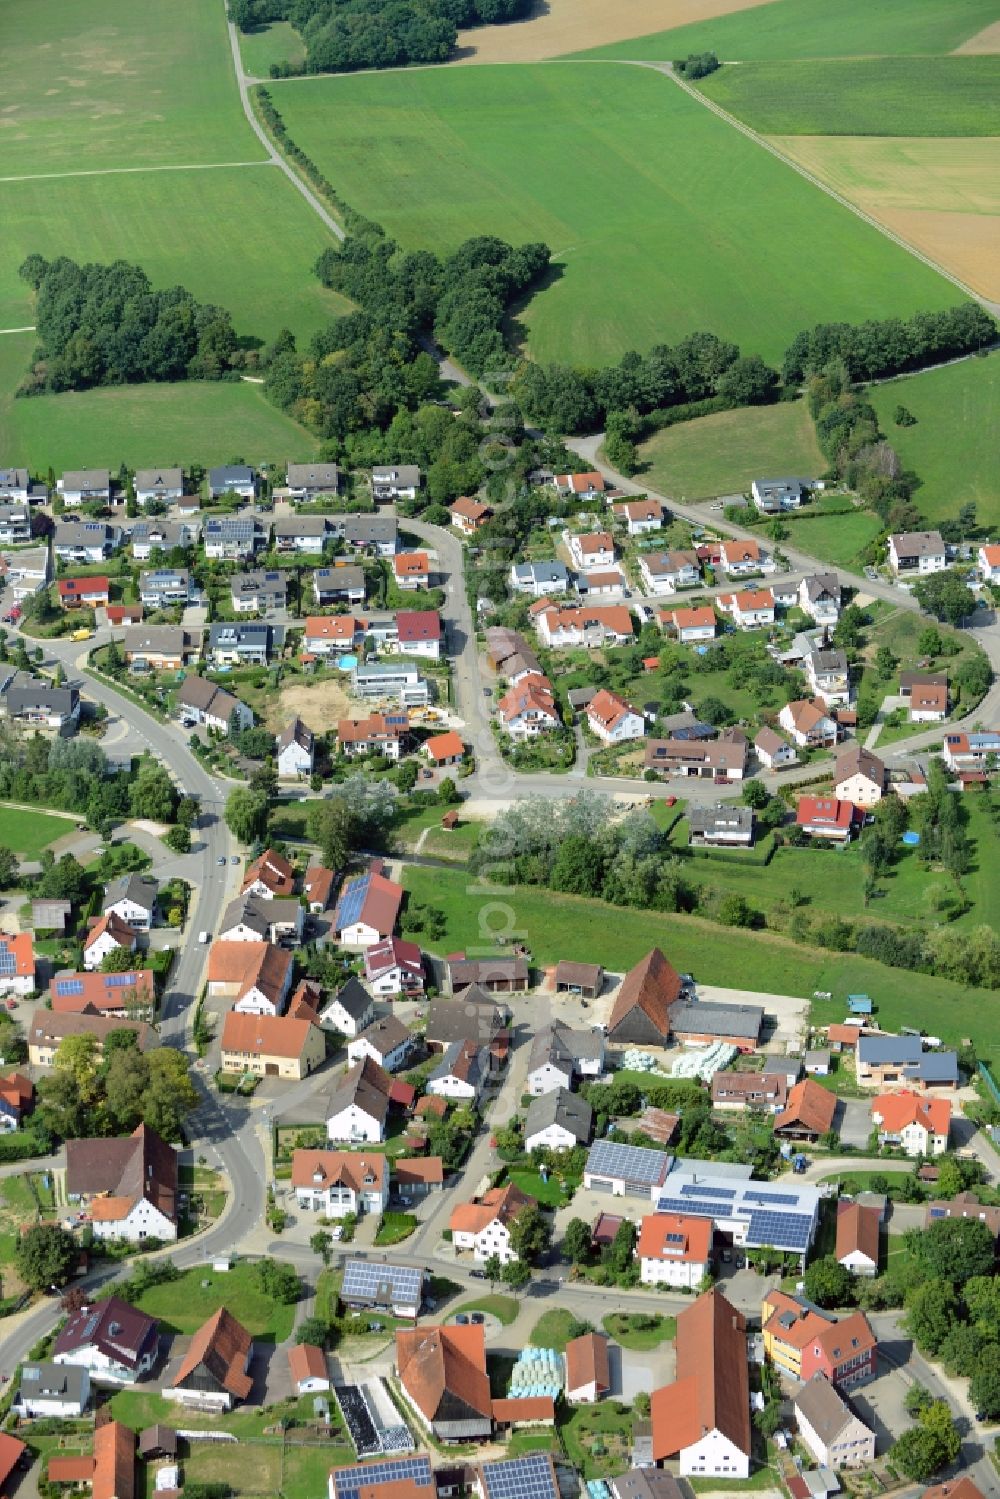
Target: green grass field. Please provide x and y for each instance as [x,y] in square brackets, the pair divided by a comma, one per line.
[555,926]
[658,214]
[721,454]
[944,96]
[620,1326]
[29,832]
[91,84]
[193,421]
[184,1304]
[839,539]
[278,42]
[955,442]
[814,28]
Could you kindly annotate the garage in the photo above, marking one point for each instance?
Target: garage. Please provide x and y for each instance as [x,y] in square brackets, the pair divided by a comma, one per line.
[625,1170]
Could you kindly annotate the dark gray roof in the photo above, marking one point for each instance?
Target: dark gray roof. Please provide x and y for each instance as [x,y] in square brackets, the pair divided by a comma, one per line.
[473,1017]
[312,475]
[247,585]
[876,1051]
[825,1409]
[935,1067]
[26,692]
[300,525]
[159,478]
[562,1107]
[50,915]
[829,660]
[579,697]
[354,998]
[244,637]
[140,888]
[541,572]
[558,1044]
[694,1018]
[230,473]
[362,529]
[821,584]
[157,533]
[252,911]
[646,1483]
[165,640]
[40,1381]
[728,816]
[332,579]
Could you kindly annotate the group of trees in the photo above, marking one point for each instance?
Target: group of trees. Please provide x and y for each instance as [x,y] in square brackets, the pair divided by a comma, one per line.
[105,325]
[696,65]
[343,35]
[90,1094]
[873,350]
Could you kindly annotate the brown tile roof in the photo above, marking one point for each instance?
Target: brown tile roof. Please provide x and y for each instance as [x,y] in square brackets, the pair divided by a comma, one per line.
[857,1230]
[17,1090]
[306,1001]
[527,1408]
[652,986]
[854,759]
[498,1204]
[791,1322]
[46,1026]
[11,1451]
[582,975]
[318,884]
[735,1087]
[712,1389]
[810,1106]
[587,1362]
[669,1236]
[435,1362]
[250,965]
[431,1103]
[223,1346]
[114,1462]
[955,1488]
[141,1166]
[273,871]
[306,1361]
[264,1035]
[847,1035]
[428,1169]
[326,1168]
[115,928]
[69,1469]
[844,1340]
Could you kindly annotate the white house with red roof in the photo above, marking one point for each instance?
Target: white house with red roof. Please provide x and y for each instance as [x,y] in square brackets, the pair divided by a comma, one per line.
[108,934]
[743,559]
[809,723]
[394,967]
[528,708]
[583,486]
[419,633]
[916,1124]
[674,1250]
[367,909]
[614,720]
[988,562]
[412,570]
[592,550]
[639,516]
[826,817]
[691,625]
[750,609]
[17,963]
[83,593]
[329,634]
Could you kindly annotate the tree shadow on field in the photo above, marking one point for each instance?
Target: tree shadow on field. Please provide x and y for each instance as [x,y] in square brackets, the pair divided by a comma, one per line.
[514,330]
[531,13]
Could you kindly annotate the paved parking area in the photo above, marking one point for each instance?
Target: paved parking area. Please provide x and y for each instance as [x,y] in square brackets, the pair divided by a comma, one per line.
[881,1404]
[632,1371]
[854,1121]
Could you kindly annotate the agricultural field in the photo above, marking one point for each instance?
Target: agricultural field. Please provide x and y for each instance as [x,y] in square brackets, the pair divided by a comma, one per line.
[813,28]
[869,96]
[956,439]
[118,85]
[657,212]
[722,453]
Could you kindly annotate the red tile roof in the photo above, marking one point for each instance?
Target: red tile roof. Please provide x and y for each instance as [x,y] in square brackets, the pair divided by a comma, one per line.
[897,1110]
[587,1363]
[306,1361]
[445,746]
[669,1236]
[439,1362]
[527,1408]
[11,1451]
[114,1462]
[712,1389]
[857,1231]
[809,1105]
[273,871]
[652,986]
[418,624]
[824,812]
[264,1035]
[223,1346]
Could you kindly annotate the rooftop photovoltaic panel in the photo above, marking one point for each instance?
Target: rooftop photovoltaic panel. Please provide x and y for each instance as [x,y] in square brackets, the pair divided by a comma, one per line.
[119,980]
[528,1477]
[630,1162]
[69,986]
[780,1230]
[775,1199]
[695,1189]
[348,1481]
[398,1283]
[8,962]
[352,899]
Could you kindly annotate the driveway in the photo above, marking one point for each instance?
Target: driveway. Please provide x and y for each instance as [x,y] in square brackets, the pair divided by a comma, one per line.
[854,1122]
[632,1371]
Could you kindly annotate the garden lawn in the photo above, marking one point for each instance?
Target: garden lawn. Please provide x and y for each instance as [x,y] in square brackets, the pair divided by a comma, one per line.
[28,833]
[954,444]
[594,932]
[598,1438]
[504,1308]
[92,84]
[394,1228]
[554,1329]
[723,453]
[204,421]
[943,96]
[183,1305]
[622,1326]
[814,28]
[658,214]
[840,539]
[550,1193]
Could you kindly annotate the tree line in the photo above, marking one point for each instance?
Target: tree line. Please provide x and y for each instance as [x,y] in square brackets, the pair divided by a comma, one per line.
[341,36]
[105,325]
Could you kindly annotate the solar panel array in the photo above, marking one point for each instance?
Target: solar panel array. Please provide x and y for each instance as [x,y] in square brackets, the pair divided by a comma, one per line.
[69,986]
[780,1230]
[630,1162]
[8,962]
[352,899]
[383,1284]
[774,1199]
[348,1481]
[528,1477]
[119,980]
[695,1189]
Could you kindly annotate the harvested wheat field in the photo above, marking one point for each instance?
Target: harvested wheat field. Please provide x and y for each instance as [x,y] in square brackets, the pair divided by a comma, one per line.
[320,702]
[561,26]
[941,195]
[987,40]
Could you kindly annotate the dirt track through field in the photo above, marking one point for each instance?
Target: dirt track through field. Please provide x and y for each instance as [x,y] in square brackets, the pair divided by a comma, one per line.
[560,26]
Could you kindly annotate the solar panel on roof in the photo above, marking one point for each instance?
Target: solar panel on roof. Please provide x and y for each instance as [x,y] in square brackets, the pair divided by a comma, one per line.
[119,980]
[779,1230]
[631,1162]
[695,1189]
[8,963]
[69,986]
[400,1283]
[348,1481]
[780,1199]
[528,1477]
[689,1207]
[352,900]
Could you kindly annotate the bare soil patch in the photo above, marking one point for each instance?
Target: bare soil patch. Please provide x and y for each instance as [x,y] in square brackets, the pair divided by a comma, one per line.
[561,26]
[319,702]
[987,40]
[967,244]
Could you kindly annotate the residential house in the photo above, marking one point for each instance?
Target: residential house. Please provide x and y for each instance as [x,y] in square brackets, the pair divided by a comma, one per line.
[328,635]
[394,967]
[387,1041]
[927,696]
[859,776]
[377,535]
[828,675]
[15,484]
[397,1289]
[639,516]
[215,1372]
[351,1010]
[158,647]
[50,1389]
[256,975]
[589,625]
[883,1059]
[83,593]
[120,616]
[27,572]
[988,563]
[857,1238]
[723,759]
[723,826]
[809,724]
[399,481]
[368,908]
[128,1188]
[359,1104]
[918,1126]
[419,633]
[17,1096]
[756,1090]
[84,541]
[591,549]
[107,934]
[231,538]
[743,559]
[307,1367]
[338,1182]
[529,708]
[476,1017]
[750,609]
[773,752]
[343,584]
[380,734]
[468,515]
[692,625]
[666,572]
[972,754]
[417,1176]
[613,720]
[835,1436]
[48,1029]
[560,1056]
[826,817]
[399,680]
[239,645]
[674,1250]
[131,994]
[304,534]
[39,706]
[483,1226]
[251,918]
[306,481]
[496,975]
[161,485]
[115,1342]
[443,1380]
[461,1073]
[85,486]
[586,486]
[296,751]
[588,1375]
[149,536]
[703,1418]
[162,588]
[269,875]
[230,479]
[558,1120]
[271,1045]
[772,496]
[444,749]
[17,964]
[258,592]
[132,898]
[808,1113]
[539,578]
[15,525]
[412,570]
[210,705]
[800,1340]
[819,597]
[917,552]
